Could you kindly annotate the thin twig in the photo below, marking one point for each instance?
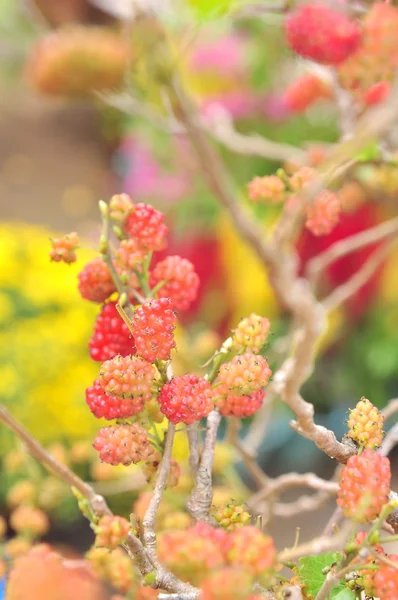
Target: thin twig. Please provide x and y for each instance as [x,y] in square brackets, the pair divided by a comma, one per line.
[318,545]
[202,494]
[248,457]
[390,410]
[346,290]
[193,441]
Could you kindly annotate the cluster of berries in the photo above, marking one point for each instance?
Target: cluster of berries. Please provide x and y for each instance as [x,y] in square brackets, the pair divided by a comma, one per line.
[321,215]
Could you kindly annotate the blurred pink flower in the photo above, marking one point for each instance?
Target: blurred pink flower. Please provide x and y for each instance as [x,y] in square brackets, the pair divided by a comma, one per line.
[226,54]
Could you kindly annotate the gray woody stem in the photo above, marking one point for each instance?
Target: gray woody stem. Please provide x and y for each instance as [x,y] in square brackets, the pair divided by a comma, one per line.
[202,495]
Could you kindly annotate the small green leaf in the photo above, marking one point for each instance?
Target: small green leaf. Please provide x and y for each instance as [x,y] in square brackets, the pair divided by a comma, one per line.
[341,592]
[370,152]
[310,571]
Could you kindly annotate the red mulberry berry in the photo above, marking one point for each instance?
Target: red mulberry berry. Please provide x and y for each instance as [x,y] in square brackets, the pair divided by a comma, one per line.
[364,486]
[186,399]
[182,282]
[319,32]
[146,226]
[153,325]
[386,580]
[252,549]
[123,444]
[323,214]
[267,189]
[111,531]
[232,405]
[95,281]
[127,377]
[111,335]
[245,373]
[227,584]
[366,425]
[305,91]
[302,177]
[110,407]
[63,249]
[251,333]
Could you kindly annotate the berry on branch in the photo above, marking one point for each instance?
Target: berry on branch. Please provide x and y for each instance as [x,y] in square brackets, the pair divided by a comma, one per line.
[111,335]
[120,206]
[366,425]
[323,213]
[227,584]
[231,516]
[186,399]
[181,281]
[63,249]
[233,405]
[112,407]
[321,33]
[386,580]
[95,281]
[123,444]
[251,333]
[111,531]
[270,188]
[245,373]
[145,225]
[127,377]
[129,256]
[365,577]
[153,325]
[251,549]
[150,468]
[364,486]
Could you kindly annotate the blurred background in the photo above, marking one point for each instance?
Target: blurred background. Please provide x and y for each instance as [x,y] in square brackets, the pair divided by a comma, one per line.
[63,148]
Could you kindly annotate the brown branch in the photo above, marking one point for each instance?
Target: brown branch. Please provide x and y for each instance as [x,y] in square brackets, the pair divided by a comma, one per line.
[365,238]
[344,291]
[248,458]
[318,545]
[202,494]
[306,503]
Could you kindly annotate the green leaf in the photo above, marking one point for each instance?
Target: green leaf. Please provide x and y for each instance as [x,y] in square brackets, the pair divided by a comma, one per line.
[370,152]
[341,592]
[310,571]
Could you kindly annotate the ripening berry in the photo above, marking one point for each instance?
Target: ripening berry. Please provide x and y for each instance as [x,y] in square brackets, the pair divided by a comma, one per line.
[302,177]
[111,531]
[153,325]
[364,486]
[245,373]
[386,580]
[323,213]
[377,93]
[251,333]
[321,33]
[123,444]
[22,492]
[270,188]
[127,377]
[150,469]
[233,405]
[188,555]
[111,335]
[227,584]
[129,256]
[17,546]
[231,516]
[145,225]
[120,206]
[215,534]
[251,549]
[368,73]
[112,407]
[113,566]
[186,399]
[95,281]
[366,425]
[78,61]
[181,281]
[63,249]
[305,91]
[29,521]
[42,574]
[365,577]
